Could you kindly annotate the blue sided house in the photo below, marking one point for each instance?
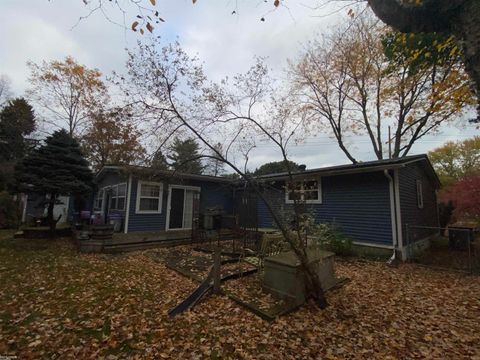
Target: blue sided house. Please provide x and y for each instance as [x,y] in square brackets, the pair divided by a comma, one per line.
[374,202]
[142,199]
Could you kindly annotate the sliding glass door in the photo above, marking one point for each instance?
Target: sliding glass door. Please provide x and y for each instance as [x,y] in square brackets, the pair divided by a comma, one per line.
[181,207]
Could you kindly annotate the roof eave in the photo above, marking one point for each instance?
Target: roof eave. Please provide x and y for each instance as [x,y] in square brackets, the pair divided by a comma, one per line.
[161,173]
[333,172]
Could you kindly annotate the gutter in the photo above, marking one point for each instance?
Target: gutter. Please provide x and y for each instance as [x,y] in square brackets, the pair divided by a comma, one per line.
[308,174]
[393,215]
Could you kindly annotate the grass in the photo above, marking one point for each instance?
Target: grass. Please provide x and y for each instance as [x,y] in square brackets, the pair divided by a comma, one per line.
[57,303]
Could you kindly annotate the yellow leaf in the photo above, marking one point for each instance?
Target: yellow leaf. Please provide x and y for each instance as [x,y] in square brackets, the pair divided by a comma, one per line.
[427,338]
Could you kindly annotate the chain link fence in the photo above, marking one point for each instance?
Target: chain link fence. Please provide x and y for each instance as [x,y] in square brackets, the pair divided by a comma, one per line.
[455,247]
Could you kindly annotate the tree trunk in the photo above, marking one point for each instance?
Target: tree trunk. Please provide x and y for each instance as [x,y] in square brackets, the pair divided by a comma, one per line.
[313,287]
[429,16]
[467,29]
[50,220]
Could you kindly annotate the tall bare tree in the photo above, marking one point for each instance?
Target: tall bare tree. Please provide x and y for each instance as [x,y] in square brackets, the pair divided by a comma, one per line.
[365,78]
[67,92]
[172,88]
[458,18]
[5,89]
[214,166]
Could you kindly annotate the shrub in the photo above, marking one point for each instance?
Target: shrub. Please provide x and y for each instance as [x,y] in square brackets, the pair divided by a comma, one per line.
[331,238]
[465,195]
[445,212]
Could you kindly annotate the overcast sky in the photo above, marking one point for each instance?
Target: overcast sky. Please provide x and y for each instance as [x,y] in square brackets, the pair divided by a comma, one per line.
[45,30]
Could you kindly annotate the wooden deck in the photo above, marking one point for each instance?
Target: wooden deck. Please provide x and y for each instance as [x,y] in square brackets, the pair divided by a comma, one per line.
[146,240]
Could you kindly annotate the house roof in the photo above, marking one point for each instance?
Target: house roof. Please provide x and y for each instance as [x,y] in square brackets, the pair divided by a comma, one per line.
[145,170]
[367,166]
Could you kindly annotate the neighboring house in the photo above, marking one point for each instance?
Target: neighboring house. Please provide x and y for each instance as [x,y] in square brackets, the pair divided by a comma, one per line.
[35,207]
[372,202]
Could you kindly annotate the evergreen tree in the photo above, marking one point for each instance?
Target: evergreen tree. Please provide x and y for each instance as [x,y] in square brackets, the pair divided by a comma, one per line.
[185,156]
[276,167]
[56,168]
[17,120]
[159,161]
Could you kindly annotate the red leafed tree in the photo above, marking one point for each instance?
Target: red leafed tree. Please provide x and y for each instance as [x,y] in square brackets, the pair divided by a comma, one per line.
[465,195]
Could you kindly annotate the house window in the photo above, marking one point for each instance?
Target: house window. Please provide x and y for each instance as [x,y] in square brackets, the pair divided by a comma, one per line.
[117,201]
[149,198]
[99,199]
[419,194]
[307,191]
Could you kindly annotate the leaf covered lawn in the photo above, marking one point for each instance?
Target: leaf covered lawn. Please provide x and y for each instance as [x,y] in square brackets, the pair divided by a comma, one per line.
[57,303]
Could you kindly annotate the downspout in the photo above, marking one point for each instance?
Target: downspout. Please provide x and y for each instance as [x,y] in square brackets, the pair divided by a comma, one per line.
[127,210]
[392,215]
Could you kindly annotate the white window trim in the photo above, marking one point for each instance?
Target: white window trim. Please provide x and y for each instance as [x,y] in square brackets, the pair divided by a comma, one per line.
[160,197]
[111,197]
[129,198]
[99,208]
[419,194]
[169,202]
[311,201]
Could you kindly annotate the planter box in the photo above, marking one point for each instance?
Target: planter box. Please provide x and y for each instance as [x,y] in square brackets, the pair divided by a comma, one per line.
[94,240]
[91,245]
[284,279]
[102,232]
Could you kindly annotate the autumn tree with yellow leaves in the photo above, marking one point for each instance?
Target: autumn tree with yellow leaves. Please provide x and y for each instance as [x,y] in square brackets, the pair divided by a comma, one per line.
[456,18]
[365,78]
[65,93]
[455,160]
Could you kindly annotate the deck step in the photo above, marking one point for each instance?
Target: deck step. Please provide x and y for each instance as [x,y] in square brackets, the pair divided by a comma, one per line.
[117,248]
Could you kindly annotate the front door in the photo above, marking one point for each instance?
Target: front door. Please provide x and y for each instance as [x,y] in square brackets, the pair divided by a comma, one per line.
[182,212]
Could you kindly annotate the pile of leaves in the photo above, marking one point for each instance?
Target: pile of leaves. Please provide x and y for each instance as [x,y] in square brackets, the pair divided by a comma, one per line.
[250,291]
[56,303]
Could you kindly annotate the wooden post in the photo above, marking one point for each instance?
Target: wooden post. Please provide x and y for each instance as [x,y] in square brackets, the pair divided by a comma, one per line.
[216,270]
